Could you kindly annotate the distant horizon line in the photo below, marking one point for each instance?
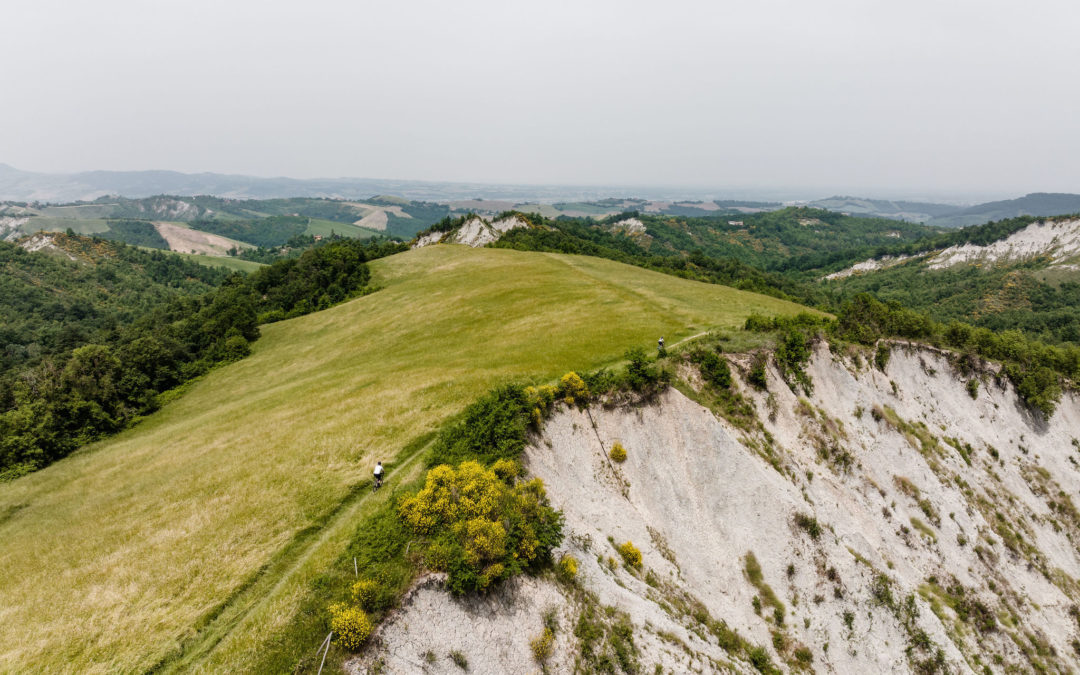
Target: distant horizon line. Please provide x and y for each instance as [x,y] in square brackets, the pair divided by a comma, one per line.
[689,192]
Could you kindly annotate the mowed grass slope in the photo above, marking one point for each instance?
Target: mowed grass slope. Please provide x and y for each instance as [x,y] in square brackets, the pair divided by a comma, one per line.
[114,556]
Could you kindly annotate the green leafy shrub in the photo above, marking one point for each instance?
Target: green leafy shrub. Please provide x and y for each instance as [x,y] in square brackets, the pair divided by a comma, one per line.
[758,376]
[792,355]
[640,375]
[973,388]
[881,356]
[540,400]
[714,368]
[809,524]
[494,427]
[757,579]
[618,453]
[631,555]
[351,625]
[804,657]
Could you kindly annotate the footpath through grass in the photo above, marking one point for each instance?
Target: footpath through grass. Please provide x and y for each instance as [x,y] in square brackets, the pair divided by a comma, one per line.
[149,547]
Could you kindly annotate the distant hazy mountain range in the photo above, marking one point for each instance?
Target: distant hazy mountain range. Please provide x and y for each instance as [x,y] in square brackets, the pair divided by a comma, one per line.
[18,185]
[947,215]
[27,186]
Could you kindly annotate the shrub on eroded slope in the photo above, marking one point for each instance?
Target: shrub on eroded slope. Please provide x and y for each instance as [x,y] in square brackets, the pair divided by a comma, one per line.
[479,528]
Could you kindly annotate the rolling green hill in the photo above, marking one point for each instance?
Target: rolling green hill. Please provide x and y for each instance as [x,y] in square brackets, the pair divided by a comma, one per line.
[187,541]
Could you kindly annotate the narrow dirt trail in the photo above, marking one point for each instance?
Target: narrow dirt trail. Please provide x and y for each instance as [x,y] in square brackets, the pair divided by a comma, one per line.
[306,555]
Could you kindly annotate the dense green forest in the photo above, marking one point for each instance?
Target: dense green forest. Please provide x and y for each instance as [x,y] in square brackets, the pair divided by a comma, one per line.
[264,232]
[136,233]
[51,304]
[794,238]
[1016,295]
[999,298]
[91,385]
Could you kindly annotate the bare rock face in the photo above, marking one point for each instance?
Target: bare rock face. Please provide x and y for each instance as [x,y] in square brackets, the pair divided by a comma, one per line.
[474,232]
[885,522]
[1056,241]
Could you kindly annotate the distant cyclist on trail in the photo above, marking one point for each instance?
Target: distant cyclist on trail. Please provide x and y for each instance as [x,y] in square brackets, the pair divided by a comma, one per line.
[378,475]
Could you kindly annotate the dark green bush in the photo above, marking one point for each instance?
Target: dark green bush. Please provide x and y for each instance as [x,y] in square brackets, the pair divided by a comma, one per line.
[758,375]
[494,427]
[641,376]
[792,355]
[714,368]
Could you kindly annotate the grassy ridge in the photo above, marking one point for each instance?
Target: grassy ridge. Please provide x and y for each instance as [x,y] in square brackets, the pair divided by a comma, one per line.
[116,555]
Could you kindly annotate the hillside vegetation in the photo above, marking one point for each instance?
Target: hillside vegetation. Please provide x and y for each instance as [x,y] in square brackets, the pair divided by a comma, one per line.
[147,548]
[1017,274]
[76,290]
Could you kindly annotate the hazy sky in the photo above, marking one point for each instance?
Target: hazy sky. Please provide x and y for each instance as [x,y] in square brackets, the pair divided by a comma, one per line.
[860,96]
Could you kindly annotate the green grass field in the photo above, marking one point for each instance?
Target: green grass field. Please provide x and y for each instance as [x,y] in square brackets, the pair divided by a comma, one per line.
[228,262]
[77,225]
[189,529]
[328,227]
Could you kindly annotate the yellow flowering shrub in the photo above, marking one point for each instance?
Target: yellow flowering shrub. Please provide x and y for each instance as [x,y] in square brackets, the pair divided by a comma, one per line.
[631,555]
[507,469]
[481,526]
[541,645]
[450,495]
[572,388]
[539,400]
[618,453]
[363,592]
[351,625]
[485,540]
[568,566]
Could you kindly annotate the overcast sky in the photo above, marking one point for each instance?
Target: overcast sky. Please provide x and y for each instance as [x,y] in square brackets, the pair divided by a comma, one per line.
[862,96]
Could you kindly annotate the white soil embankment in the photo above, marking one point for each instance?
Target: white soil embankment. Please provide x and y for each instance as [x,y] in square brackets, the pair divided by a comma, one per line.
[869,266]
[1060,241]
[474,232]
[877,458]
[43,241]
[1056,241]
[629,226]
[9,226]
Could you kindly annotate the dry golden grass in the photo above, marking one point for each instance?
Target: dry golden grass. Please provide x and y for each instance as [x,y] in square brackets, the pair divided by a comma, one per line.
[115,556]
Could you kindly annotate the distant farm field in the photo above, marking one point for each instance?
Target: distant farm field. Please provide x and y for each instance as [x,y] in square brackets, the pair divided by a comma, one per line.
[119,557]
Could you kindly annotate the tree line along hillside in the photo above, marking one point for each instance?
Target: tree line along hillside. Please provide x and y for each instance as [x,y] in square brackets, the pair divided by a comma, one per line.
[115,338]
[787,253]
[789,239]
[51,304]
